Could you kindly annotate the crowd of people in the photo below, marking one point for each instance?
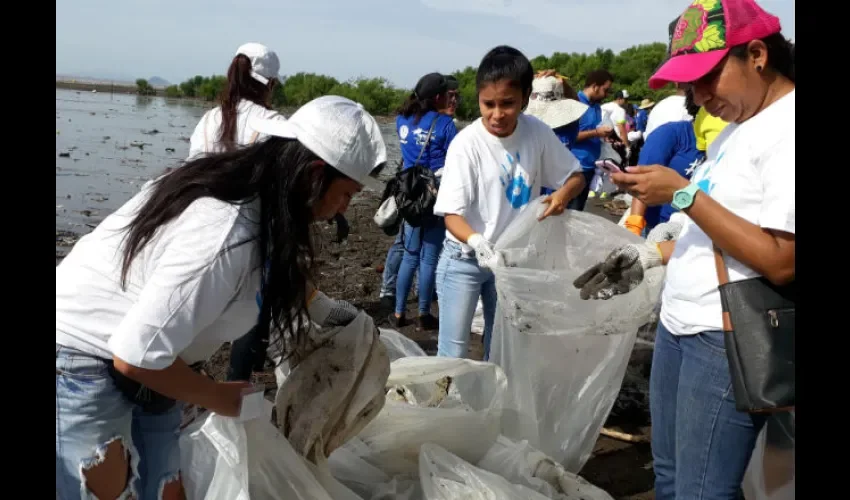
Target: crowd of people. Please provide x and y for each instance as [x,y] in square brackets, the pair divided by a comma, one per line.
[219,249]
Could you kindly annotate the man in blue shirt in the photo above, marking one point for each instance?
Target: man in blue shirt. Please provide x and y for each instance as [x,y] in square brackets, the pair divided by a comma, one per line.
[588,144]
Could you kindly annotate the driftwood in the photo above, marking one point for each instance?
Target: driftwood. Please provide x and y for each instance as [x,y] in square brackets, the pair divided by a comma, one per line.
[623,436]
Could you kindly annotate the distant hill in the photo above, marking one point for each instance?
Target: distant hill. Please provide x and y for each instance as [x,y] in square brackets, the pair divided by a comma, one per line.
[156,81]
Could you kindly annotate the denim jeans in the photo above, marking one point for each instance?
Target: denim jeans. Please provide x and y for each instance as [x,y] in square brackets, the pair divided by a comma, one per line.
[91,413]
[579,201]
[391,267]
[460,281]
[422,246]
[701,444]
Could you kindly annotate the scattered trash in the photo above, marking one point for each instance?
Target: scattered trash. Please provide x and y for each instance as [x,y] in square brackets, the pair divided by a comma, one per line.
[169,150]
[64,155]
[151,132]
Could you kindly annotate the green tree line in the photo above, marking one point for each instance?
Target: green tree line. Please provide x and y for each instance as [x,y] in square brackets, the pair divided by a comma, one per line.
[631,68]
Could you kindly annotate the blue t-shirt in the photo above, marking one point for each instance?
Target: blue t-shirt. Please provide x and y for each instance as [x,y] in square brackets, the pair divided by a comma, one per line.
[673,145]
[412,135]
[567,135]
[588,150]
[641,120]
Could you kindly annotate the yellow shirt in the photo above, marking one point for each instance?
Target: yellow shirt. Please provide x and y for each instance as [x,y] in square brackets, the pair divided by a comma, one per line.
[706,128]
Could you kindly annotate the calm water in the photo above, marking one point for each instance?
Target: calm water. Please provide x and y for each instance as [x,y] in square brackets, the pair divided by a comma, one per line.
[115,143]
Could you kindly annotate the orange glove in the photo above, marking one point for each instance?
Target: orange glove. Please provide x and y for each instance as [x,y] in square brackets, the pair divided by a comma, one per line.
[635,224]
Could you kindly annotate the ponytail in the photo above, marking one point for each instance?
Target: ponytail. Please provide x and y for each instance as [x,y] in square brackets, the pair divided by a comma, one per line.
[240,85]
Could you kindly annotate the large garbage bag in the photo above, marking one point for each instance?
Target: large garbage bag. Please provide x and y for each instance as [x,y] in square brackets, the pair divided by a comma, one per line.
[222,457]
[455,403]
[564,357]
[771,472]
[445,476]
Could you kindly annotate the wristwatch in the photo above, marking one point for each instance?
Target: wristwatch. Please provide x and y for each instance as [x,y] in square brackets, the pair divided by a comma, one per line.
[684,197]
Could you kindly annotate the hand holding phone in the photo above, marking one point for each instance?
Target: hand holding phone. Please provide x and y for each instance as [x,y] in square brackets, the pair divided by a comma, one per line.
[610,166]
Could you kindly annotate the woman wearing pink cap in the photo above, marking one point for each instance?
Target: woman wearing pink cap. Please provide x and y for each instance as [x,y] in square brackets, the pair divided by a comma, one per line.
[741,199]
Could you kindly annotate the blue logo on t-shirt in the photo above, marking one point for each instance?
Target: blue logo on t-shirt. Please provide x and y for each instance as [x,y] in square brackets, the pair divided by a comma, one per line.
[705,183]
[517,189]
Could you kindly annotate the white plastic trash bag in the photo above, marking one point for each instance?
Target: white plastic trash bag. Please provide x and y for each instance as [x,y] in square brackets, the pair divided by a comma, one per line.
[564,357]
[455,403]
[399,346]
[771,472]
[224,458]
[521,464]
[445,476]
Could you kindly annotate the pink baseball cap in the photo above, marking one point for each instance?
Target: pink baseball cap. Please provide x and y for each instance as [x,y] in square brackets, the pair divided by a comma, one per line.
[704,34]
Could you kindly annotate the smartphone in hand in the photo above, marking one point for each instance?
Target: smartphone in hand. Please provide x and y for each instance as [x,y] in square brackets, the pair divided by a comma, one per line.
[610,166]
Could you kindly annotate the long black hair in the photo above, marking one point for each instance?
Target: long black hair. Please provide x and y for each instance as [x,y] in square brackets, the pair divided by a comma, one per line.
[240,85]
[413,105]
[289,180]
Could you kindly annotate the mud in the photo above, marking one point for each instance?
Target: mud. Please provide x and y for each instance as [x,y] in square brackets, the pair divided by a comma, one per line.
[106,150]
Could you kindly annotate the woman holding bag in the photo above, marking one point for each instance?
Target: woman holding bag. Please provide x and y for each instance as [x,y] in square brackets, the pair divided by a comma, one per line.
[741,200]
[161,284]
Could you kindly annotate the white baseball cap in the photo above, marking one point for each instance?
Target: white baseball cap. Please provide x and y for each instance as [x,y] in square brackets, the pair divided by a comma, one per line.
[264,62]
[337,130]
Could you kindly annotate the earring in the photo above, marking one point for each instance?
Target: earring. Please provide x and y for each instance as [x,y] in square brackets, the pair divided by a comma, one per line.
[758,68]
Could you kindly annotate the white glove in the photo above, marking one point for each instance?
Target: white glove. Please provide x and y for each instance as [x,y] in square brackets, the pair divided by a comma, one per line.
[488,258]
[326,311]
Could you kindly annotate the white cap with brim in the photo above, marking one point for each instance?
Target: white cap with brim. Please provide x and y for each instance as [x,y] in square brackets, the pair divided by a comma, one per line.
[265,65]
[337,130]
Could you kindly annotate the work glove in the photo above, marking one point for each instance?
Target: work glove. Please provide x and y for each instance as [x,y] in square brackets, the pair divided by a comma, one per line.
[635,224]
[621,271]
[666,231]
[328,312]
[488,258]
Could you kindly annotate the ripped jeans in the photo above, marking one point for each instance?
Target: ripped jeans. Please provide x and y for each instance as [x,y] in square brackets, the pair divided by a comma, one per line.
[91,413]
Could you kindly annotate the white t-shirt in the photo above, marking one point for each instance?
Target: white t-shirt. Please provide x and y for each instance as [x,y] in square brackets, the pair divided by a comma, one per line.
[205,137]
[189,290]
[750,170]
[670,109]
[488,180]
[613,114]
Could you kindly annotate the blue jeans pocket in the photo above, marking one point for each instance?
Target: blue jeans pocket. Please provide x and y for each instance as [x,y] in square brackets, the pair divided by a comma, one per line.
[78,365]
[714,341]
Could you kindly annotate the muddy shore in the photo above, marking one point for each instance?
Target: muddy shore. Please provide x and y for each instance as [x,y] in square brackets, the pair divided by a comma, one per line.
[352,271]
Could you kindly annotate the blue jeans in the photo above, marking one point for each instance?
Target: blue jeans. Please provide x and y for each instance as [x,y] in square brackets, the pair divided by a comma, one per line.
[579,201]
[422,246]
[391,267]
[701,444]
[91,413]
[459,284]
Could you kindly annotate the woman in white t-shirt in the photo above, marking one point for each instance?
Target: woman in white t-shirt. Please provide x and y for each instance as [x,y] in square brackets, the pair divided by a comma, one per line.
[251,79]
[742,199]
[161,284]
[494,168]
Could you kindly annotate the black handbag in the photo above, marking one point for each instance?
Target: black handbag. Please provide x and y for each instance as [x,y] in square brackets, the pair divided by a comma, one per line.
[758,331]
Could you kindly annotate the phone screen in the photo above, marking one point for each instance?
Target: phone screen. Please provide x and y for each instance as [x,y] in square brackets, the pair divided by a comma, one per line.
[609,166]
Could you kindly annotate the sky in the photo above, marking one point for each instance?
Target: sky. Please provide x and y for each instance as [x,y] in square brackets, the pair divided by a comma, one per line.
[397,39]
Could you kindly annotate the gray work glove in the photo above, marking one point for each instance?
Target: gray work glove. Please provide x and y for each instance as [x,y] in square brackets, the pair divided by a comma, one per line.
[666,231]
[328,312]
[621,272]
